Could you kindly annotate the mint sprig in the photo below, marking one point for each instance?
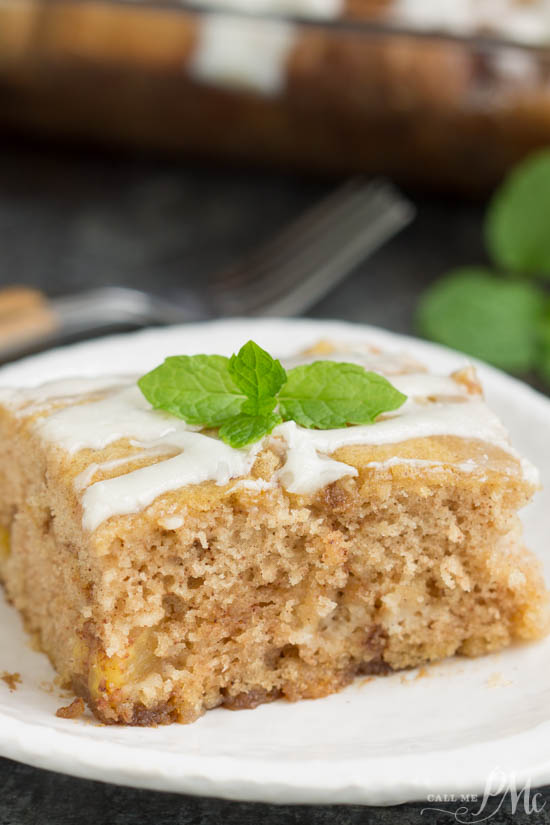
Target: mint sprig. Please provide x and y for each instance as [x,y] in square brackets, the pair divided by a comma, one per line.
[499,315]
[258,375]
[248,395]
[516,224]
[197,388]
[246,429]
[490,318]
[328,394]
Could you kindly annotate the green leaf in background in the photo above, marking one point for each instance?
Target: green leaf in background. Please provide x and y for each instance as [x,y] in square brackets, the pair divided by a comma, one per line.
[517,225]
[329,394]
[492,319]
[258,375]
[543,358]
[197,388]
[246,429]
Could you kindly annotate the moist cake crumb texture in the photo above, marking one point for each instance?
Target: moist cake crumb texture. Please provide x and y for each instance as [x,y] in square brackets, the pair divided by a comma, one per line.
[11,679]
[241,589]
[72,711]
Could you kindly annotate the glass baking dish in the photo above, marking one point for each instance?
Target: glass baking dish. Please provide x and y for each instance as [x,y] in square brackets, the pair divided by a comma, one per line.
[444,99]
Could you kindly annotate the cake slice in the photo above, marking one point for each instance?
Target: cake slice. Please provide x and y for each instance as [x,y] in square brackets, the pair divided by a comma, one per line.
[166,573]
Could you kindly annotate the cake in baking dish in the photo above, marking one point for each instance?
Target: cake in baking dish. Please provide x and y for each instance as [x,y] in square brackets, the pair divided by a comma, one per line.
[407,88]
[166,573]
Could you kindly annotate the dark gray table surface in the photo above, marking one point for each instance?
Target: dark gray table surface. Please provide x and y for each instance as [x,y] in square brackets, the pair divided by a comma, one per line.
[71,219]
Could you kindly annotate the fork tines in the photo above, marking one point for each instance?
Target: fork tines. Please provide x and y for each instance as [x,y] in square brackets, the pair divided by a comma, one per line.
[290,272]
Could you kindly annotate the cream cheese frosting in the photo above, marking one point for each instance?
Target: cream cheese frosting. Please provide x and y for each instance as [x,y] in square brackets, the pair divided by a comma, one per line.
[243,54]
[436,406]
[252,53]
[522,22]
[202,458]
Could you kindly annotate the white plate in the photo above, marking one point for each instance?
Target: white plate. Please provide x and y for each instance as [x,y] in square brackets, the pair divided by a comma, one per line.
[386,741]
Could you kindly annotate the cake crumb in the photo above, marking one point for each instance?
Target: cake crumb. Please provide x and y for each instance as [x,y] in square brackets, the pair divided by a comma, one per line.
[72,711]
[497,680]
[11,679]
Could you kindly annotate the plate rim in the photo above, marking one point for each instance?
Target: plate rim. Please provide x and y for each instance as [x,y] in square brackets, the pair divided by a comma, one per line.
[224,776]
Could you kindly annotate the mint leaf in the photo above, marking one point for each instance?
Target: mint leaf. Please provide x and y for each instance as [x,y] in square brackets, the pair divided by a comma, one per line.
[517,223]
[328,394]
[246,429]
[262,406]
[197,388]
[259,376]
[239,395]
[495,320]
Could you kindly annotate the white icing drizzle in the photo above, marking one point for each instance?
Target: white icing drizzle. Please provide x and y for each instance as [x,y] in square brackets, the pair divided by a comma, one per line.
[306,468]
[122,414]
[425,385]
[243,54]
[386,363]
[522,22]
[31,400]
[202,458]
[436,406]
[251,53]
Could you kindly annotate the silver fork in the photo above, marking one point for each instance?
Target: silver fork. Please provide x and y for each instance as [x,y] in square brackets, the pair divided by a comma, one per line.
[285,276]
[302,263]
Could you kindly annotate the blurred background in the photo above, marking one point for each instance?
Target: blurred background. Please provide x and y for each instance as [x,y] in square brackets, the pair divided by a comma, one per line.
[156,145]
[163,147]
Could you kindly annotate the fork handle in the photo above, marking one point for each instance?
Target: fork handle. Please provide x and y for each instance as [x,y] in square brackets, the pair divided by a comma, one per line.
[26,317]
[29,321]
